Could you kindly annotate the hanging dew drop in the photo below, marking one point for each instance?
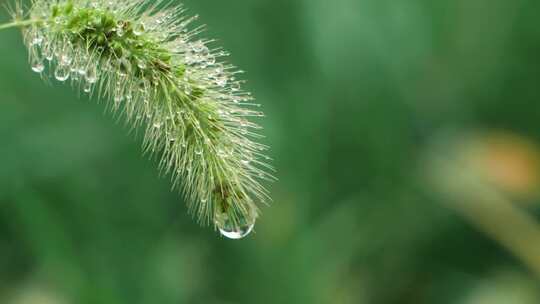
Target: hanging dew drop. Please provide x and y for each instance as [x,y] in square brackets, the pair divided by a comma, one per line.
[74,75]
[233,231]
[37,65]
[81,70]
[87,87]
[37,39]
[65,59]
[236,234]
[48,53]
[61,73]
[91,75]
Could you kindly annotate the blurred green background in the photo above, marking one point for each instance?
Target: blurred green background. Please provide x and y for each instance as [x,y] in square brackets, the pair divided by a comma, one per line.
[360,97]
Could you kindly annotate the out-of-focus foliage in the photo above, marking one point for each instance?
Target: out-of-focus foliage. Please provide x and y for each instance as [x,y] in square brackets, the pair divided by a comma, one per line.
[360,97]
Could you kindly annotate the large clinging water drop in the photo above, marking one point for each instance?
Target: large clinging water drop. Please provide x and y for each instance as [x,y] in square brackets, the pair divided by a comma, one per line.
[233,231]
[236,233]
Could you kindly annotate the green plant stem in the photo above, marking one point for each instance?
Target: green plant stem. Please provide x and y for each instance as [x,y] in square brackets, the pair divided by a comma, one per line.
[18,23]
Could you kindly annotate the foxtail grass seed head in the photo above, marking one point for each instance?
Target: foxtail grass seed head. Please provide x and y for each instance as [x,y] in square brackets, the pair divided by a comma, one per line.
[152,67]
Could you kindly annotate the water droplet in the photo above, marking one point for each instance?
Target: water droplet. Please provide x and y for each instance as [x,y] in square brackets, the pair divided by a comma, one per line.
[87,87]
[65,58]
[233,231]
[61,73]
[37,65]
[221,81]
[198,46]
[124,68]
[48,53]
[198,151]
[157,125]
[218,70]
[139,29]
[91,75]
[210,60]
[74,75]
[37,39]
[141,64]
[120,29]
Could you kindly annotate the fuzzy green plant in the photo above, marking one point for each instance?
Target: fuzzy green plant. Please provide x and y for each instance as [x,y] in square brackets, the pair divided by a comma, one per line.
[143,58]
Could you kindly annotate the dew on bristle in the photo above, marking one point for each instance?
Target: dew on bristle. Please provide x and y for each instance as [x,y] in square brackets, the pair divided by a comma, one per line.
[37,39]
[47,52]
[139,29]
[87,87]
[65,58]
[91,75]
[120,29]
[62,72]
[37,64]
